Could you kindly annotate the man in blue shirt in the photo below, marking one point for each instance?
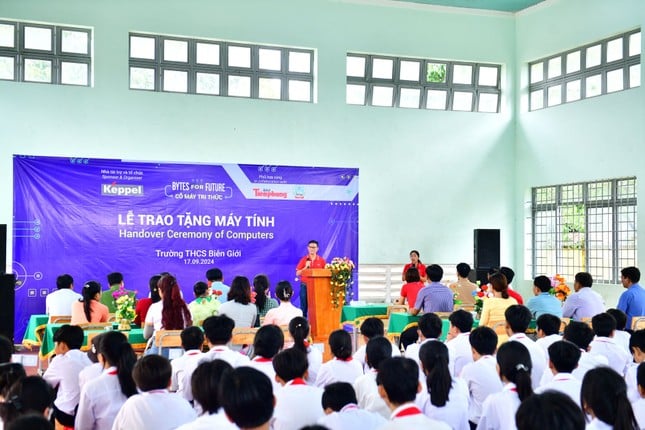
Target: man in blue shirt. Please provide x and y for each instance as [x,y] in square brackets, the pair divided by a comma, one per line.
[543,302]
[632,301]
[434,297]
[216,284]
[584,303]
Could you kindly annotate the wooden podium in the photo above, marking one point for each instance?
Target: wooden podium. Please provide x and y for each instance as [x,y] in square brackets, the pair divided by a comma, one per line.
[323,318]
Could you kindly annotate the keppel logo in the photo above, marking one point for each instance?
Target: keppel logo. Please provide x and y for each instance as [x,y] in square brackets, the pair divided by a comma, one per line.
[121,190]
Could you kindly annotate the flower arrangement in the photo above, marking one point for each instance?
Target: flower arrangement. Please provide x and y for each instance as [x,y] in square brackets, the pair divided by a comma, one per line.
[342,278]
[480,294]
[124,302]
[559,289]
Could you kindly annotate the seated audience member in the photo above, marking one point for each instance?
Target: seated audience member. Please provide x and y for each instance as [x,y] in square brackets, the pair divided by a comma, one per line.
[639,405]
[604,398]
[204,305]
[30,421]
[218,331]
[95,369]
[494,307]
[621,336]
[88,309]
[434,297]
[514,368]
[581,335]
[342,411]
[62,373]
[370,328]
[510,275]
[249,401]
[268,341]
[543,302]
[263,300]
[429,328]
[284,313]
[461,322]
[215,281]
[481,375]
[115,281]
[446,399]
[192,340]
[10,373]
[637,348]
[411,288]
[299,331]
[6,350]
[29,395]
[60,302]
[378,349]
[102,398]
[296,403]
[149,408]
[239,307]
[342,368]
[604,326]
[415,263]
[584,302]
[548,331]
[631,301]
[398,384]
[205,384]
[143,304]
[463,288]
[518,318]
[563,359]
[549,410]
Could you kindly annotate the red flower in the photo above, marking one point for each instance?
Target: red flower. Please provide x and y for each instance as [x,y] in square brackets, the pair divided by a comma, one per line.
[484,288]
[480,294]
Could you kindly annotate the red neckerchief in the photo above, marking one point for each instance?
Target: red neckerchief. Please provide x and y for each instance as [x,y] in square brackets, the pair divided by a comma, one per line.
[297,381]
[350,358]
[411,410]
[259,359]
[191,353]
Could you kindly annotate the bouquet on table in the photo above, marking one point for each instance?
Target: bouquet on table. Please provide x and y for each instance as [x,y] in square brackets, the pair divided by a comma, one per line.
[480,294]
[124,303]
[342,278]
[559,288]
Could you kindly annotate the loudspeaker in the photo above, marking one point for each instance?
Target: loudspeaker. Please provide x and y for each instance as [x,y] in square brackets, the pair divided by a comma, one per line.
[7,304]
[486,248]
[3,248]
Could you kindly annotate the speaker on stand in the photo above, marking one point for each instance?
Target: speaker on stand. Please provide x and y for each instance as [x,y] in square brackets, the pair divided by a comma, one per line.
[7,304]
[486,252]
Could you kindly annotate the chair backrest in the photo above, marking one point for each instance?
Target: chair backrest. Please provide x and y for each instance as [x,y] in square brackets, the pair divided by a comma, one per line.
[95,326]
[564,322]
[396,309]
[286,334]
[586,320]
[243,335]
[112,318]
[638,322]
[168,338]
[60,319]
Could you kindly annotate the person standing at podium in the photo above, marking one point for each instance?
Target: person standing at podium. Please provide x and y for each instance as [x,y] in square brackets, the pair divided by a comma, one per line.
[310,261]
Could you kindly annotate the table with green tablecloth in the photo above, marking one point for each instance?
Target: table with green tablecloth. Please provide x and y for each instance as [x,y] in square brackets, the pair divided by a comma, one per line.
[35,329]
[135,338]
[353,314]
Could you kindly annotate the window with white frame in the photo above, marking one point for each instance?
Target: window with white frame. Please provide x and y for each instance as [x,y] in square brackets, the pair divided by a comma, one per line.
[603,67]
[219,68]
[584,227]
[45,53]
[377,80]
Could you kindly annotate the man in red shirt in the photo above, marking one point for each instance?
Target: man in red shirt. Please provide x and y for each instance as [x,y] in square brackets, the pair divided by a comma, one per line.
[310,261]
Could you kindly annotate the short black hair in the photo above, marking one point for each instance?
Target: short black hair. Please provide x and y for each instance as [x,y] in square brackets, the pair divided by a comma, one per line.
[508,272]
[483,340]
[518,318]
[214,274]
[200,288]
[10,373]
[152,372]
[549,410]
[584,279]
[399,377]
[247,397]
[564,355]
[620,317]
[71,335]
[412,275]
[31,421]
[218,329]
[340,343]
[192,338]
[462,320]
[430,325]
[377,350]
[372,326]
[315,242]
[579,333]
[463,269]
[434,272]
[6,349]
[268,341]
[603,324]
[114,278]
[290,364]
[337,395]
[549,324]
[542,283]
[205,382]
[27,395]
[632,273]
[637,340]
[64,281]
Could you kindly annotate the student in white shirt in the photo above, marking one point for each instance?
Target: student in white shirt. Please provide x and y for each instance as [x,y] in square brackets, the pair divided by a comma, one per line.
[205,384]
[342,368]
[550,410]
[604,398]
[102,398]
[59,302]
[639,405]
[370,328]
[398,384]
[95,369]
[296,403]
[63,372]
[461,323]
[268,341]
[192,340]
[285,312]
[299,331]
[637,348]
[429,328]
[581,335]
[29,395]
[563,359]
[154,407]
[249,401]
[514,366]
[548,331]
[481,375]
[342,411]
[378,349]
[518,318]
[621,337]
[446,398]
[604,326]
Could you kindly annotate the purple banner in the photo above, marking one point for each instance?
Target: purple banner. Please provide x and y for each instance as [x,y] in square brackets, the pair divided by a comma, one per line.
[89,217]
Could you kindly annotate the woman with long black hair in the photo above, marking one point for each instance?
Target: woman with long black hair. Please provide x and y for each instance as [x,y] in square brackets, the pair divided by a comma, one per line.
[89,309]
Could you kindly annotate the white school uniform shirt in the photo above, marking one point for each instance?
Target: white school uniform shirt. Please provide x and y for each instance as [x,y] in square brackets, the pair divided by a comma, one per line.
[618,359]
[217,421]
[59,302]
[597,424]
[336,370]
[565,383]
[459,353]
[89,373]
[178,366]
[452,413]
[587,362]
[297,405]
[154,315]
[314,358]
[632,385]
[361,356]
[155,409]
[498,411]
[546,341]
[412,352]
[265,365]
[350,417]
[482,380]
[101,400]
[368,396]
[63,373]
[538,359]
[621,338]
[639,411]
[408,416]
